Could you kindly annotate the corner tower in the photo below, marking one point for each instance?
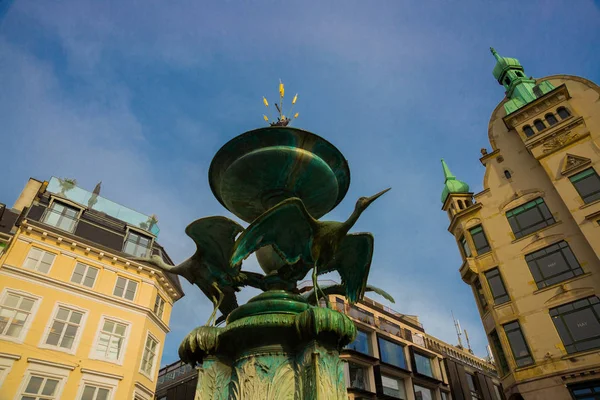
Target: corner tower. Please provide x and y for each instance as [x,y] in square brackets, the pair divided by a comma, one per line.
[530,240]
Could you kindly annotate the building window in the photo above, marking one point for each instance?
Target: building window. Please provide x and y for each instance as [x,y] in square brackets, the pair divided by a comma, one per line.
[95,393]
[529,217]
[391,353]
[498,392]
[551,119]
[589,390]
[497,286]
[423,393]
[473,387]
[500,357]
[553,264]
[40,388]
[578,324]
[159,306]
[528,130]
[84,275]
[361,315]
[64,328]
[14,313]
[362,343]
[61,216]
[466,250]
[393,387]
[481,244]
[125,288]
[111,340]
[587,184]
[517,344]
[445,395]
[480,295]
[359,376]
[39,260]
[507,174]
[423,365]
[563,112]
[539,125]
[137,244]
[149,356]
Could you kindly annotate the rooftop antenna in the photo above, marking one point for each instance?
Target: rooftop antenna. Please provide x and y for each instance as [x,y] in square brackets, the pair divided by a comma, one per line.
[458,331]
[468,343]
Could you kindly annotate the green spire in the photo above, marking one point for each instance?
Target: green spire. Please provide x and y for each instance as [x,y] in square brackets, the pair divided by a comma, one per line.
[451,184]
[519,89]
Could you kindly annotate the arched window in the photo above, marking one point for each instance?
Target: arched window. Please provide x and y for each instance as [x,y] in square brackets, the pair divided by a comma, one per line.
[461,205]
[507,174]
[551,119]
[563,112]
[528,131]
[507,81]
[539,125]
[519,73]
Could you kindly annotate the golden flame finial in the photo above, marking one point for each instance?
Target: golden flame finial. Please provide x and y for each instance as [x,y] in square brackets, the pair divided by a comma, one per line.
[282,120]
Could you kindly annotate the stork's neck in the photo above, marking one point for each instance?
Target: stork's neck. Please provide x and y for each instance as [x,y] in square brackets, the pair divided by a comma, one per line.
[353,218]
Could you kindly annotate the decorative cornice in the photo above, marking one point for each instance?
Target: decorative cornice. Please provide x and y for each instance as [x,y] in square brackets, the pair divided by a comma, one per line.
[573,162]
[169,287]
[11,356]
[103,374]
[463,213]
[537,106]
[50,363]
[489,156]
[143,388]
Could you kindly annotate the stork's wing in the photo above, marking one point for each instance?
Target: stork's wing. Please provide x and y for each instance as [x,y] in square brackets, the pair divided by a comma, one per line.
[341,290]
[288,227]
[352,261]
[214,238]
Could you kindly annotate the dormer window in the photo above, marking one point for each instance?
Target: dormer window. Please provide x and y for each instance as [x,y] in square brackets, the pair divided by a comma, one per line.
[528,131]
[539,125]
[61,216]
[563,112]
[137,244]
[551,119]
[507,81]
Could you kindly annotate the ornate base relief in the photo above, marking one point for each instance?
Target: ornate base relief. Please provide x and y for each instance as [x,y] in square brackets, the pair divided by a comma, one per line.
[250,359]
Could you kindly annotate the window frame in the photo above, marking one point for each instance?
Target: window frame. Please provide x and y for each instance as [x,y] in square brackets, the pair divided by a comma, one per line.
[479,230]
[67,205]
[515,357]
[566,109]
[496,274]
[44,371]
[39,261]
[99,331]
[126,287]
[422,355]
[500,357]
[159,305]
[85,272]
[539,204]
[368,340]
[401,382]
[593,305]
[150,375]
[544,282]
[465,247]
[480,295]
[420,385]
[32,313]
[550,116]
[593,385]
[576,178]
[368,375]
[99,380]
[78,334]
[476,389]
[402,346]
[139,233]
[527,129]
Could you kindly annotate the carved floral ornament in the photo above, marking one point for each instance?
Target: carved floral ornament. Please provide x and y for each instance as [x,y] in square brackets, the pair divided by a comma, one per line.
[559,141]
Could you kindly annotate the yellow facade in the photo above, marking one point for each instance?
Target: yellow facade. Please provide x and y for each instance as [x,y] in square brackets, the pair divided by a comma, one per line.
[530,161]
[52,301]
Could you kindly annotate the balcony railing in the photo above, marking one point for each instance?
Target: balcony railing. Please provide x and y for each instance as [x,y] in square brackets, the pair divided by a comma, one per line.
[100,204]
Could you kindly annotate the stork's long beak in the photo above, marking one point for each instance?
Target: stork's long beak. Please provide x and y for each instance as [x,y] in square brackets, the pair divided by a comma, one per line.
[378,195]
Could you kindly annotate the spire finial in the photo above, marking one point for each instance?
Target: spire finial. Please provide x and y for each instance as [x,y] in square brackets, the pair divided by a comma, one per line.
[447,174]
[495,53]
[282,120]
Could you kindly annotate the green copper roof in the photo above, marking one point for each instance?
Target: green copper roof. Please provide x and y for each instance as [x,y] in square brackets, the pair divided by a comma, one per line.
[451,184]
[519,89]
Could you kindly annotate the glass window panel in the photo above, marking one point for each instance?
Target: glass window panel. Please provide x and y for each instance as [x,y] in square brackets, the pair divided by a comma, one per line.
[34,385]
[422,393]
[75,317]
[481,244]
[49,387]
[393,387]
[109,326]
[78,273]
[551,119]
[465,247]
[517,343]
[131,288]
[88,393]
[26,304]
[423,365]
[53,338]
[11,301]
[563,113]
[62,314]
[392,353]
[358,376]
[553,264]
[361,343]
[120,329]
[102,394]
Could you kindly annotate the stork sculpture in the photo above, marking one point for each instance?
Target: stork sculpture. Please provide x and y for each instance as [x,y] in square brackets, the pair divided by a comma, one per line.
[323,246]
[341,290]
[209,267]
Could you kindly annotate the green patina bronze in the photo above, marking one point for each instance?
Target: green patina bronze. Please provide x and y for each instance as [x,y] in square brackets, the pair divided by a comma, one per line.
[520,89]
[280,344]
[451,184]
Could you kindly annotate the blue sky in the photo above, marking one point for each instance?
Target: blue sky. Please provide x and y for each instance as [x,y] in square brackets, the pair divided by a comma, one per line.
[141,94]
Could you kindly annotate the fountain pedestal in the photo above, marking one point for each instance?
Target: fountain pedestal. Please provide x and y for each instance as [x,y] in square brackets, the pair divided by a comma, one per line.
[274,347]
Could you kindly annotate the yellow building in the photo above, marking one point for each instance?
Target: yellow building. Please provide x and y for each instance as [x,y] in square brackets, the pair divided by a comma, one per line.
[531,239]
[78,320]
